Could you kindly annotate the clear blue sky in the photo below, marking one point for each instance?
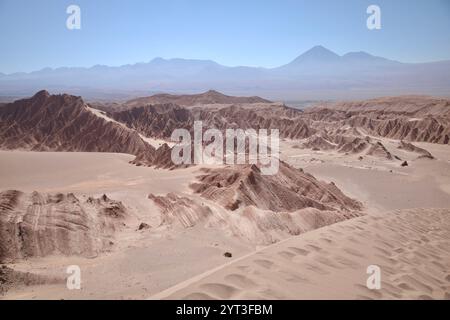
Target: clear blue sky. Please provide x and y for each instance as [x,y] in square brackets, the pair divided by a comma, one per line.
[246,32]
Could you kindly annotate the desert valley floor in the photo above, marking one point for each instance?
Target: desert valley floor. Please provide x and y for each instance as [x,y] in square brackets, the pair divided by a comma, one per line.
[344,199]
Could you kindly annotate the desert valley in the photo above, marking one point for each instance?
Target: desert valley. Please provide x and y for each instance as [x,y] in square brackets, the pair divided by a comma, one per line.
[92,184]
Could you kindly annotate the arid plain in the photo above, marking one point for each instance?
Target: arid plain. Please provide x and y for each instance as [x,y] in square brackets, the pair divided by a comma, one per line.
[360,183]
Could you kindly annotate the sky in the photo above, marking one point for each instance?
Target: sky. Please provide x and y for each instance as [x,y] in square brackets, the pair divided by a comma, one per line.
[266,33]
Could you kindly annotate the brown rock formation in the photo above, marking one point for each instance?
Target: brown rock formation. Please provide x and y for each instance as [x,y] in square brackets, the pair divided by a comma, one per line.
[258,226]
[37,225]
[379,150]
[209,97]
[413,118]
[156,121]
[182,210]
[412,148]
[290,189]
[348,144]
[63,123]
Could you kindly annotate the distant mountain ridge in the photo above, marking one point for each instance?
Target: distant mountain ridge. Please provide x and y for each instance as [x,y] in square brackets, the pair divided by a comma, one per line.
[319,73]
[316,54]
[209,97]
[321,55]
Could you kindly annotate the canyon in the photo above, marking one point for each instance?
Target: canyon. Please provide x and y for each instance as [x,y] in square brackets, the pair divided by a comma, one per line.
[93,184]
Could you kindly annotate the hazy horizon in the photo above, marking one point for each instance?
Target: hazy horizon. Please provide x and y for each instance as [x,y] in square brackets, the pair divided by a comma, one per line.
[154,59]
[230,33]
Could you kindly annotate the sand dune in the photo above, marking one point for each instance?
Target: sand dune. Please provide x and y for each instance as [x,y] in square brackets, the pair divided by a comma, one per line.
[412,248]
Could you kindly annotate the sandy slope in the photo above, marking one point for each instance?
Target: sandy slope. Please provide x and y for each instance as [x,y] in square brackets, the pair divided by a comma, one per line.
[167,255]
[161,256]
[412,248]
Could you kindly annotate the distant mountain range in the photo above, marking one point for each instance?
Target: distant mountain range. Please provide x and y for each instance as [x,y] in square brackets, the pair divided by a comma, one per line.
[316,74]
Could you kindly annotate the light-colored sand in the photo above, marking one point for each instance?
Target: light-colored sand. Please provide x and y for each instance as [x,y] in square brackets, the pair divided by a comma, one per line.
[411,247]
[142,268]
[89,173]
[150,261]
[141,262]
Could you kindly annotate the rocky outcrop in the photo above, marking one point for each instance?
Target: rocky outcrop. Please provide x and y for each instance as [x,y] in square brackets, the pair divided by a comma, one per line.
[38,225]
[412,148]
[290,189]
[340,143]
[253,224]
[379,150]
[157,121]
[160,159]
[352,145]
[409,118]
[209,97]
[160,121]
[261,209]
[289,122]
[181,210]
[63,123]
[411,106]
[318,142]
[348,145]
[413,118]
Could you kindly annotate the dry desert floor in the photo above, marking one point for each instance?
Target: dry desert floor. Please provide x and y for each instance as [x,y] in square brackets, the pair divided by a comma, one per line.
[406,232]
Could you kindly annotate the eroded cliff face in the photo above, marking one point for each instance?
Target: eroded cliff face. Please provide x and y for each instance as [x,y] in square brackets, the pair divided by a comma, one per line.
[404,118]
[38,225]
[63,123]
[416,118]
[157,121]
[209,97]
[412,148]
[249,223]
[257,207]
[290,189]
